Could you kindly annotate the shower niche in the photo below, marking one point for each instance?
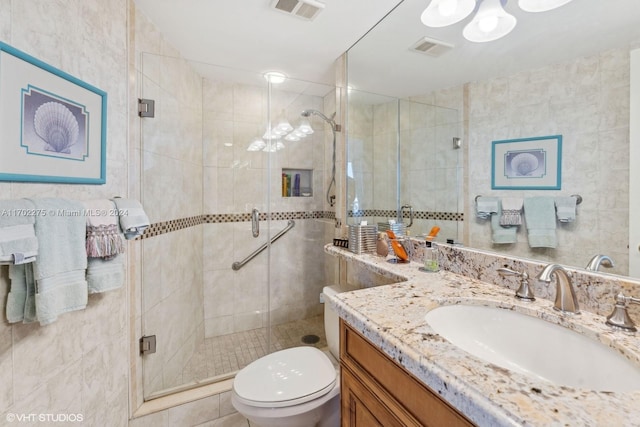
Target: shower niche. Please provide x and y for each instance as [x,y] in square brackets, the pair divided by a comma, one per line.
[297,182]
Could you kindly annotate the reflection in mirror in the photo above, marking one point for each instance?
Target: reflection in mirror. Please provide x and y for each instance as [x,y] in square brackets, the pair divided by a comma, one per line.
[556,73]
[401,154]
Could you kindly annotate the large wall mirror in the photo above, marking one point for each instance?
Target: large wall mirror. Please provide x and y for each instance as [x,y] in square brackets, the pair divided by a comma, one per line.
[562,72]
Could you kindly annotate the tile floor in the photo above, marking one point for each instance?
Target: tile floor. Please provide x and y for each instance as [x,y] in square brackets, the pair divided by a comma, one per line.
[226,354]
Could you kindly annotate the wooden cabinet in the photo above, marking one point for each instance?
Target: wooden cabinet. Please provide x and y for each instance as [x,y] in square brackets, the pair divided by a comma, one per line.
[376,391]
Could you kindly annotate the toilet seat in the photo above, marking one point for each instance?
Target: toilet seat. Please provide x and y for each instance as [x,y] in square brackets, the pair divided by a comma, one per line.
[285,378]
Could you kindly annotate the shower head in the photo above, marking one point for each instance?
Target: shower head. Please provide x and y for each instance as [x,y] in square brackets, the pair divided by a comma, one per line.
[308,113]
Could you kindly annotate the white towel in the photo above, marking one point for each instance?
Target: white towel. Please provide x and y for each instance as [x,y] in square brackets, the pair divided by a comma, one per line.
[133,219]
[103,230]
[541,222]
[59,270]
[20,300]
[105,274]
[18,243]
[511,211]
[566,208]
[486,206]
[499,233]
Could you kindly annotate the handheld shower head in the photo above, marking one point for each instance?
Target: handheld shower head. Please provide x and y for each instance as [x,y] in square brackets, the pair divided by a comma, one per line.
[310,112]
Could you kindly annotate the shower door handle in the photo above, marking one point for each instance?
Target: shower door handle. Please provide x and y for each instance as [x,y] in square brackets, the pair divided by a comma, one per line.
[255,223]
[410,214]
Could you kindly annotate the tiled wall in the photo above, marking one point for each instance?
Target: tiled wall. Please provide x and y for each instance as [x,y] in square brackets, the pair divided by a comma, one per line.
[587,102]
[234,184]
[78,364]
[430,168]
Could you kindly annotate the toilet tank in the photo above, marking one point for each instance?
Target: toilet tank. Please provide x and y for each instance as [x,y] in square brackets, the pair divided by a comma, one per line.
[331,321]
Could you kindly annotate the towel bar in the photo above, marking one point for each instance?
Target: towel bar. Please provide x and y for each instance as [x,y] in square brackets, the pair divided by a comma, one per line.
[577,196]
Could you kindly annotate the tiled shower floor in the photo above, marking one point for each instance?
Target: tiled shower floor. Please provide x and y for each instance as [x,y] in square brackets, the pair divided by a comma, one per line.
[228,353]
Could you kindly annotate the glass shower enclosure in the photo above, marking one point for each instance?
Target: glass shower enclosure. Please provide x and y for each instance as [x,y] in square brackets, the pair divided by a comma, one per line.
[224,174]
[404,163]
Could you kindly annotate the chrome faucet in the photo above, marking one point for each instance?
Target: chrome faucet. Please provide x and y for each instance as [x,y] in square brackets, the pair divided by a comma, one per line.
[524,292]
[619,317]
[566,300]
[598,260]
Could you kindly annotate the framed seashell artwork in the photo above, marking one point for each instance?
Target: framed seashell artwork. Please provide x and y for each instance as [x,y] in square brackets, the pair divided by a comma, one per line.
[52,125]
[527,163]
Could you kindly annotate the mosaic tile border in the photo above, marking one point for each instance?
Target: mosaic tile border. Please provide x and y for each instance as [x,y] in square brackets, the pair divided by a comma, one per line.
[441,216]
[164,227]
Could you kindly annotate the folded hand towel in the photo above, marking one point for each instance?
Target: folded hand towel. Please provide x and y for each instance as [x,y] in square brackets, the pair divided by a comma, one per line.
[511,211]
[500,234]
[486,206]
[18,243]
[133,219]
[59,270]
[21,305]
[541,222]
[105,274]
[566,208]
[103,231]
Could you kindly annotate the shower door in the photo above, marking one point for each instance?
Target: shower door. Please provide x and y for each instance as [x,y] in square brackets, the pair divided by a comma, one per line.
[401,154]
[216,293]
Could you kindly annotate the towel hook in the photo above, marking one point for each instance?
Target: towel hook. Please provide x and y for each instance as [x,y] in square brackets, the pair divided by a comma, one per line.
[578,198]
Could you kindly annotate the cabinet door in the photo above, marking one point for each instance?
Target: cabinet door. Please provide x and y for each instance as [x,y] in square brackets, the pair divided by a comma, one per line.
[360,408]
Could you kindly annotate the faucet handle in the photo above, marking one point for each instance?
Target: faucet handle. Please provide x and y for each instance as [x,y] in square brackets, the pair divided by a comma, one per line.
[524,292]
[619,317]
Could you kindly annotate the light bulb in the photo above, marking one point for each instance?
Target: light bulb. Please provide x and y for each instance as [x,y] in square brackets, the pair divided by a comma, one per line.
[447,7]
[274,77]
[305,127]
[441,13]
[488,23]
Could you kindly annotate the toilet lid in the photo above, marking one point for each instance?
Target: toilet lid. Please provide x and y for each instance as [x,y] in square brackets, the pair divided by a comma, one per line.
[284,378]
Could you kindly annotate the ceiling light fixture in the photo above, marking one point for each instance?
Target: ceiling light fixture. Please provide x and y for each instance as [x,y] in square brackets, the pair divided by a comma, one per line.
[540,5]
[441,13]
[274,77]
[490,21]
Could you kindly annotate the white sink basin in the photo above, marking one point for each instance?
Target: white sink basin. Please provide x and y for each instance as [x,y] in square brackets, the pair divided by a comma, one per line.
[534,347]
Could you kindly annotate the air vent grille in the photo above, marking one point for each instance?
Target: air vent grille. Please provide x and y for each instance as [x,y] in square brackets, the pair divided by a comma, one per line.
[305,9]
[286,5]
[431,47]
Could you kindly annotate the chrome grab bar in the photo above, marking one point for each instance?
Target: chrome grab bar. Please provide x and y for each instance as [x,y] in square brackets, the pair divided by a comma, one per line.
[255,222]
[239,264]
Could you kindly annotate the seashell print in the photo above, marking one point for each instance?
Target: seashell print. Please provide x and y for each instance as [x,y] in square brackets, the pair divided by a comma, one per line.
[57,126]
[524,163]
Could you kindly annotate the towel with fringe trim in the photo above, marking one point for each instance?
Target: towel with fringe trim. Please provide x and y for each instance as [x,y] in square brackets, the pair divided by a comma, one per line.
[103,232]
[511,211]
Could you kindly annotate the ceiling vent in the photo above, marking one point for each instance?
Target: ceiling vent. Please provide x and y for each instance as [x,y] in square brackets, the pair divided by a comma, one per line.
[305,9]
[431,47]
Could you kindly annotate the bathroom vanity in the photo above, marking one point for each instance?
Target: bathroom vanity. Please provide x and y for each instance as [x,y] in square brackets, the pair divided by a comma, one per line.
[376,391]
[396,370]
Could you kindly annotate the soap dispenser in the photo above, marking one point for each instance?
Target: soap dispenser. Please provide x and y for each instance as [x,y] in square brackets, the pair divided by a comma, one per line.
[431,257]
[382,246]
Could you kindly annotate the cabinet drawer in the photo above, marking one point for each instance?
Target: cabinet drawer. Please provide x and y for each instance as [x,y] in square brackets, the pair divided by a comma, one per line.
[372,365]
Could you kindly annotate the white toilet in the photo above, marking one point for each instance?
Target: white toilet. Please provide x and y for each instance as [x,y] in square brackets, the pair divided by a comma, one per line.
[296,387]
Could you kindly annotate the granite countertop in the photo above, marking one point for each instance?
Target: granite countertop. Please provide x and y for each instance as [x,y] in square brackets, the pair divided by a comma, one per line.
[392,318]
